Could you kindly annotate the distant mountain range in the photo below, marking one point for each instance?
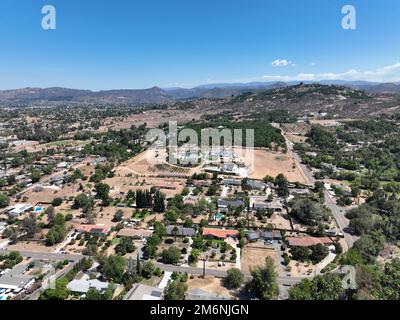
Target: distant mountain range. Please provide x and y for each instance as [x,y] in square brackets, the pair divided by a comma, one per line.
[157,95]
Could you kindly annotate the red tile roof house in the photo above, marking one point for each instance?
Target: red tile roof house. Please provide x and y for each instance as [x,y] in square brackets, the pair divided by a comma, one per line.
[309,241]
[93,229]
[220,233]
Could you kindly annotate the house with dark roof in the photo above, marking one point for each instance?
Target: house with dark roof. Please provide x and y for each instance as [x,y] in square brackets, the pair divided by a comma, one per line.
[224,205]
[264,235]
[256,185]
[232,182]
[182,231]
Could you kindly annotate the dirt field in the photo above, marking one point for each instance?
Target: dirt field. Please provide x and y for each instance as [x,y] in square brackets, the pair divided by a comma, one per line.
[153,118]
[209,284]
[214,265]
[274,163]
[122,184]
[31,246]
[254,256]
[49,193]
[55,145]
[106,215]
[301,269]
[279,222]
[152,163]
[296,138]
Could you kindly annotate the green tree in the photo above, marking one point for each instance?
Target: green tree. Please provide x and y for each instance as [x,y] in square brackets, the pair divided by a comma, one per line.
[93,295]
[318,253]
[60,292]
[282,185]
[81,201]
[102,192]
[171,255]
[57,202]
[263,283]
[148,269]
[325,287]
[175,291]
[114,268]
[234,278]
[118,216]
[4,200]
[158,202]
[29,226]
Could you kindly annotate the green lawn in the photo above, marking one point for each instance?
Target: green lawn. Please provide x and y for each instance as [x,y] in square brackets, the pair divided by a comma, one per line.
[115,241]
[141,215]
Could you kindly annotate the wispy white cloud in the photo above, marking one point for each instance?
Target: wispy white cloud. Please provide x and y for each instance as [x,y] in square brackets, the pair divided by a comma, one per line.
[280,63]
[385,74]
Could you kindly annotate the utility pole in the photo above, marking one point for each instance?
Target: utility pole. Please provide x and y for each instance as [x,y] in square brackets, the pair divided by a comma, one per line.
[204,266]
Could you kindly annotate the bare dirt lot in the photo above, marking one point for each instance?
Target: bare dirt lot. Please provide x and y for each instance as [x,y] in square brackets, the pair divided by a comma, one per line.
[254,255]
[30,246]
[153,118]
[152,163]
[122,184]
[301,269]
[47,194]
[273,163]
[296,138]
[209,284]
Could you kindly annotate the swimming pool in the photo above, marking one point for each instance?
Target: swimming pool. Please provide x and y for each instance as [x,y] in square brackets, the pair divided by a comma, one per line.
[38,209]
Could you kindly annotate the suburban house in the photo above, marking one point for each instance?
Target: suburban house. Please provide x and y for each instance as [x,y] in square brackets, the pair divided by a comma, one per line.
[309,241]
[256,185]
[220,233]
[143,292]
[232,182]
[16,280]
[182,231]
[224,205]
[261,202]
[98,229]
[230,168]
[264,235]
[18,210]
[83,286]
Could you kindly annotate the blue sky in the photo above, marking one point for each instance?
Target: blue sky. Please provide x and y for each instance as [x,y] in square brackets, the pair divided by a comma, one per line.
[104,44]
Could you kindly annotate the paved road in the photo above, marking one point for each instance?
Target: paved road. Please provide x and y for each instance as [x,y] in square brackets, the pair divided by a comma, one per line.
[60,273]
[282,280]
[337,212]
[46,256]
[339,215]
